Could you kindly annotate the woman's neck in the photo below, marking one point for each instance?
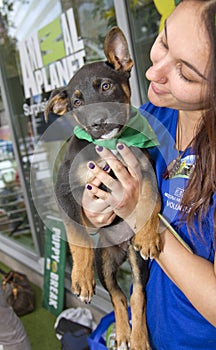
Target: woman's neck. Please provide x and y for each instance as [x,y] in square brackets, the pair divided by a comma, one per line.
[186,129]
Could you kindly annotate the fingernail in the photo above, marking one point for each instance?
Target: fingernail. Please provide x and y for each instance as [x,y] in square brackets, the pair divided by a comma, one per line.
[106,167]
[91,165]
[120,147]
[99,148]
[89,187]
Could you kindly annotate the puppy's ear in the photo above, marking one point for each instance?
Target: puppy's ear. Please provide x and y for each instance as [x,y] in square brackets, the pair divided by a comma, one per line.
[116,50]
[57,103]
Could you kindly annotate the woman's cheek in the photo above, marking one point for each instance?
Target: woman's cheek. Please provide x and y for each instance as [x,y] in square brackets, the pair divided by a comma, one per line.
[186,94]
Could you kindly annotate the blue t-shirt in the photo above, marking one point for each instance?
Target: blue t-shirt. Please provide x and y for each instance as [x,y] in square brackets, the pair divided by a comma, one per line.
[173,322]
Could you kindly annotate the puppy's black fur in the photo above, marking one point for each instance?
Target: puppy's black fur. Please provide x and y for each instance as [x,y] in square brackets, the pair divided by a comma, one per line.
[98,97]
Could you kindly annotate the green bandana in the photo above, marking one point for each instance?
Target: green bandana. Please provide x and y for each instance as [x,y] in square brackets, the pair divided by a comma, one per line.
[137,132]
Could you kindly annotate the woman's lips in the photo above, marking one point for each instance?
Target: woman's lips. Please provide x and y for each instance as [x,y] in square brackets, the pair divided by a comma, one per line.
[156,90]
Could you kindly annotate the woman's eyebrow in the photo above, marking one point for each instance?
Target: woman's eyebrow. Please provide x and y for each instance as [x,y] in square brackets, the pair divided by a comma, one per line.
[189,65]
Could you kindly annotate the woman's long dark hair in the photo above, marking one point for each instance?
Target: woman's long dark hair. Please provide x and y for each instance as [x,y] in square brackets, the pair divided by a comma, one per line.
[202,185]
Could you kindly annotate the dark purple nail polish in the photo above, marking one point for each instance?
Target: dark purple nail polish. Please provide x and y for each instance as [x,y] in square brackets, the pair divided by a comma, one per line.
[99,148]
[106,167]
[120,147]
[91,165]
[89,187]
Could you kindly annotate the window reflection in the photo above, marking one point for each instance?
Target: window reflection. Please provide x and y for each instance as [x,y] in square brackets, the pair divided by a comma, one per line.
[144,21]
[27,27]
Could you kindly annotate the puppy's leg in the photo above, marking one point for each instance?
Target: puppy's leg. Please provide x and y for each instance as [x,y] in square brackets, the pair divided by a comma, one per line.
[139,334]
[82,276]
[147,239]
[108,261]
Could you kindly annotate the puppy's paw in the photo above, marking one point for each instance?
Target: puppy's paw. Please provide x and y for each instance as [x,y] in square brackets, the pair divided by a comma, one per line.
[83,284]
[139,343]
[147,243]
[144,346]
[122,341]
[139,338]
[123,346]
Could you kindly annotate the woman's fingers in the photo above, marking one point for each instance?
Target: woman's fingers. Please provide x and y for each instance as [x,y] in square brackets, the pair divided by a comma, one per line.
[98,212]
[102,177]
[114,193]
[94,182]
[113,198]
[91,201]
[130,164]
[130,160]
[115,164]
[123,191]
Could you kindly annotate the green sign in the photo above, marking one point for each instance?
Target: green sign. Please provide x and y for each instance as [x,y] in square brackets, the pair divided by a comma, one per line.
[54,266]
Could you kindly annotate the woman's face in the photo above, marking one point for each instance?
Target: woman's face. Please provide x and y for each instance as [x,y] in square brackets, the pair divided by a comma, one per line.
[179,58]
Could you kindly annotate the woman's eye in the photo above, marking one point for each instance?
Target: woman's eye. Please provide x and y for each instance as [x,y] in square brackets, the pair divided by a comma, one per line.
[182,76]
[105,86]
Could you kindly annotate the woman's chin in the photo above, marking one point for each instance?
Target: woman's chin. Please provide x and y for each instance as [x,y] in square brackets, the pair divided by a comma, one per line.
[158,100]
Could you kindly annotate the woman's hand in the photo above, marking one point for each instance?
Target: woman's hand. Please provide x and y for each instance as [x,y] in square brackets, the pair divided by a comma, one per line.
[96,210]
[101,207]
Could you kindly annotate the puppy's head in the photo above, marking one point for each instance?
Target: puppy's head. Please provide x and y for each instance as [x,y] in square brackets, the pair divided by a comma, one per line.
[98,95]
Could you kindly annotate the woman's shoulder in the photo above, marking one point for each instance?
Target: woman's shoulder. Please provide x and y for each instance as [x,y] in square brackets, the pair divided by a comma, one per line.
[162,115]
[163,120]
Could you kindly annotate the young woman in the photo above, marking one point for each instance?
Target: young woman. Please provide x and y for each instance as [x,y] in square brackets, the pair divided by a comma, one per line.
[181,291]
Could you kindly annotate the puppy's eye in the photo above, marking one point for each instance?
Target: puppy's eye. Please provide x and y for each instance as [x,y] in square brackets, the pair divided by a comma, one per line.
[77,103]
[106,86]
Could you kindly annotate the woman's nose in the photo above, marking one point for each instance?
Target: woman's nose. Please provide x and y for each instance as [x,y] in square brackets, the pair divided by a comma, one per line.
[157,73]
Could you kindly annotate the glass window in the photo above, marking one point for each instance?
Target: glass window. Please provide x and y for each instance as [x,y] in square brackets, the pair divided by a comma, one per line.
[14,223]
[144,21]
[42,44]
[40,49]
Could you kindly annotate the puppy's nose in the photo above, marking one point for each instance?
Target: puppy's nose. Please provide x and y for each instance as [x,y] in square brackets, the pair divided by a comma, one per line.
[99,123]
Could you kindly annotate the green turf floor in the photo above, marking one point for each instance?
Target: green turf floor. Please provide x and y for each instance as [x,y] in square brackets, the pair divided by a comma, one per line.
[39,324]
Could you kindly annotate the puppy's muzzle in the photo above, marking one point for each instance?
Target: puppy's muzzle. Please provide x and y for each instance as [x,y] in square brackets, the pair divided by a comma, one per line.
[103,120]
[102,129]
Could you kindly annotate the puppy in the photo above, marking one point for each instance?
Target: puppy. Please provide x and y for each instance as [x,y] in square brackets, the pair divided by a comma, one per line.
[98,97]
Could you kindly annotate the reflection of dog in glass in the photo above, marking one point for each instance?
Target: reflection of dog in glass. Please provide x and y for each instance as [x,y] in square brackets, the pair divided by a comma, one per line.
[98,97]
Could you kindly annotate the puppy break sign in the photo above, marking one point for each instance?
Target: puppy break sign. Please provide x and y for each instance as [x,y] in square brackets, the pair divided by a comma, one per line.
[54,266]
